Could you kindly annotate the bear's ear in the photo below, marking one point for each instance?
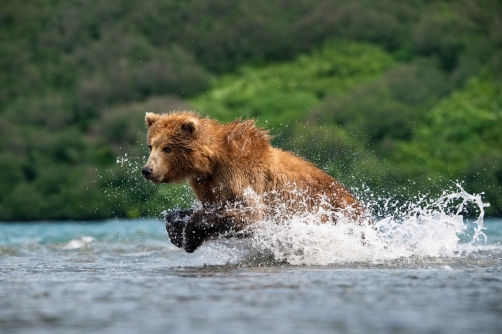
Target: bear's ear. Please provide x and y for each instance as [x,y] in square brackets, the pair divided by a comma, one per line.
[189,127]
[151,118]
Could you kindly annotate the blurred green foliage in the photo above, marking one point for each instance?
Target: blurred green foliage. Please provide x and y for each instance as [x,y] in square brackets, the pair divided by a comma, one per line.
[403,96]
[284,92]
[460,138]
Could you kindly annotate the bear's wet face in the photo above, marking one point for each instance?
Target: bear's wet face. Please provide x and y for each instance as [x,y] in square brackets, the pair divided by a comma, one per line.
[165,161]
[170,142]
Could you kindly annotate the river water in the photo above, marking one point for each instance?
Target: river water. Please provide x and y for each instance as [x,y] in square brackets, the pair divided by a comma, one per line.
[433,272]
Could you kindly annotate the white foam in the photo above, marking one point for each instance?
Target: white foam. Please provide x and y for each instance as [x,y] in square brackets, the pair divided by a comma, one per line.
[82,242]
[425,228]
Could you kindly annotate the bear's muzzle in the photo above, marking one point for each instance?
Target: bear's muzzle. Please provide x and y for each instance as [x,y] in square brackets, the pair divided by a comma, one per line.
[147,172]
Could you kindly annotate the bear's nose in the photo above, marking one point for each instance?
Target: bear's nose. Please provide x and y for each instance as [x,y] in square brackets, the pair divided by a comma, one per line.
[146,171]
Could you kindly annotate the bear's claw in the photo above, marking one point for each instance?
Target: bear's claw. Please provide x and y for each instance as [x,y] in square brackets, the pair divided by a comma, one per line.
[176,222]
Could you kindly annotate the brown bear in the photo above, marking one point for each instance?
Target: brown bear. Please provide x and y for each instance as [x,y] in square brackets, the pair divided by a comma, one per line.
[237,176]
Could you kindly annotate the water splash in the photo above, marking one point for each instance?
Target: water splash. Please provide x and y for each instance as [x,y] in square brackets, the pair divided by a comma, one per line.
[428,227]
[78,243]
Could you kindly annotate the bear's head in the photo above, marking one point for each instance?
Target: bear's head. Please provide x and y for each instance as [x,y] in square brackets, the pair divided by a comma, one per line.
[177,151]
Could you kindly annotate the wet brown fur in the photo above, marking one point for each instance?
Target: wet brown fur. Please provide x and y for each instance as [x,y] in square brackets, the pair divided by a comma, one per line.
[222,162]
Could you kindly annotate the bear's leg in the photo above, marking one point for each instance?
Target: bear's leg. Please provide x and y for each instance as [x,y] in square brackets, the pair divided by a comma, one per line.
[203,226]
[176,222]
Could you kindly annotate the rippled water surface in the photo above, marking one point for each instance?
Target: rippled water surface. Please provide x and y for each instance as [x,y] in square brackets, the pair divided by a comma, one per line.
[125,277]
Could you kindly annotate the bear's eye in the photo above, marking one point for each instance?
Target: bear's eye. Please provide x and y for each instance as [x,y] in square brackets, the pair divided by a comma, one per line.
[167,149]
[150,148]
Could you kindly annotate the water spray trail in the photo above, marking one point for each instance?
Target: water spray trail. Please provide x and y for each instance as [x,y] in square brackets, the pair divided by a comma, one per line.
[425,227]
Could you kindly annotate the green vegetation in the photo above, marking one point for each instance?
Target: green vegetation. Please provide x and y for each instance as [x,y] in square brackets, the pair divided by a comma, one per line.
[285,92]
[460,138]
[403,96]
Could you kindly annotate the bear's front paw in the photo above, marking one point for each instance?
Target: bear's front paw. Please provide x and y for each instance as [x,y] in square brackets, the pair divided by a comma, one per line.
[203,226]
[176,222]
[175,231]
[194,237]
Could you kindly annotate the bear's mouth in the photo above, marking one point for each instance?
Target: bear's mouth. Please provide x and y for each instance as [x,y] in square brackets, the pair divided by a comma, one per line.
[157,180]
[160,179]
